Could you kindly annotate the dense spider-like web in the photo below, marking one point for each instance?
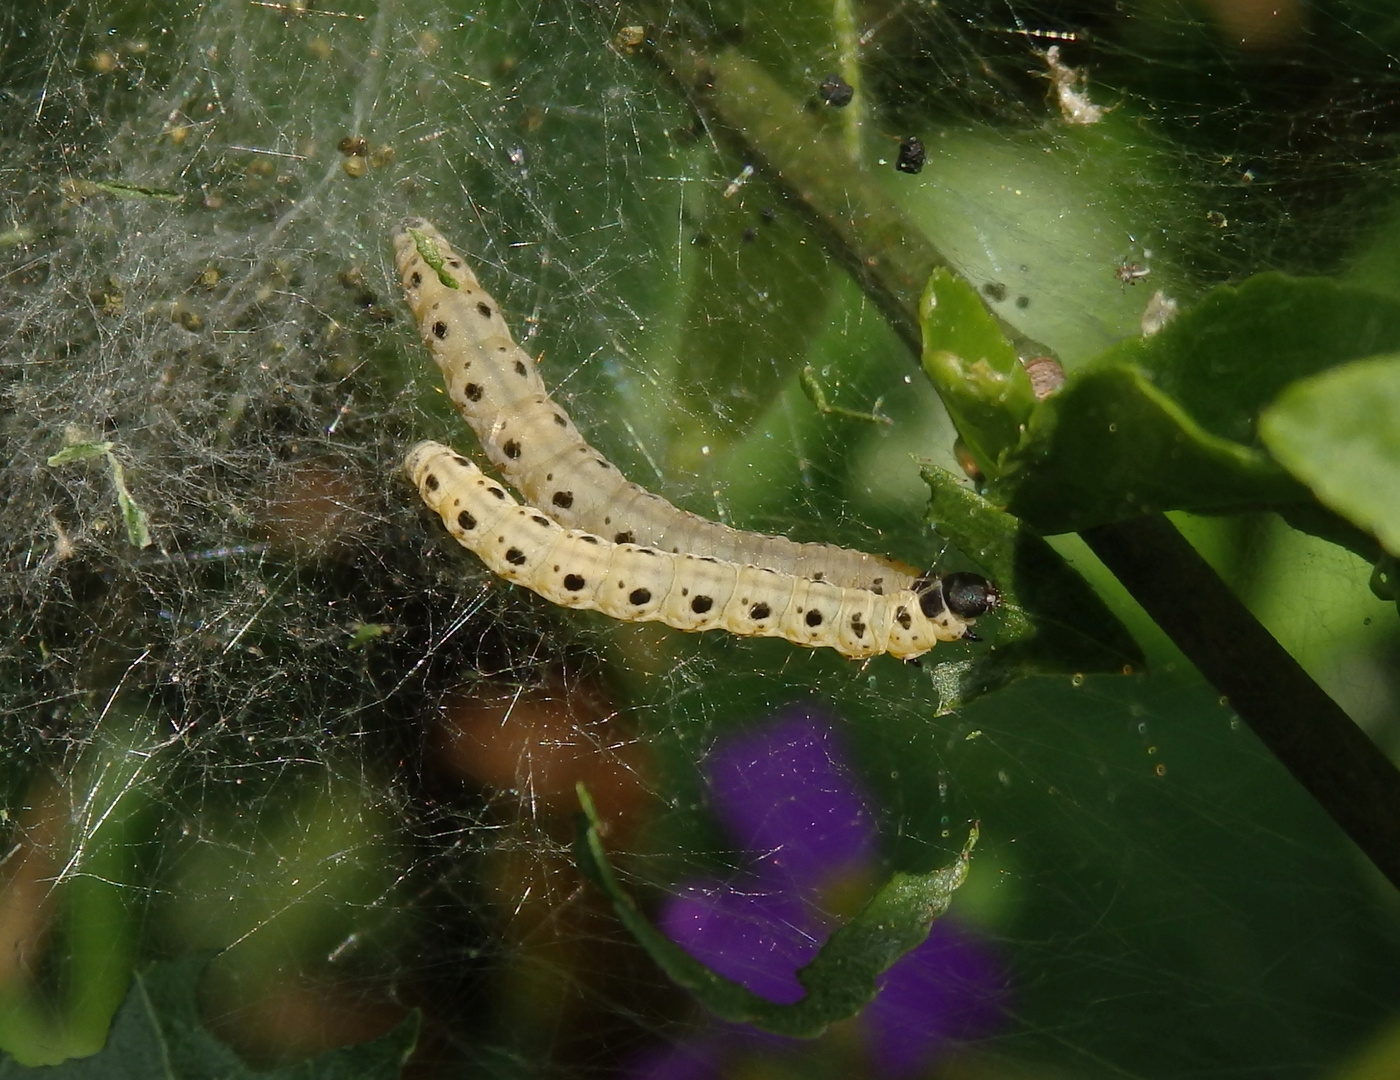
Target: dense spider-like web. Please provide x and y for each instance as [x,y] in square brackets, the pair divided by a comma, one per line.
[302,730]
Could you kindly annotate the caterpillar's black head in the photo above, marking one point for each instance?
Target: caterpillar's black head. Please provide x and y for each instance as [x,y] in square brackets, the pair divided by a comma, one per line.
[970,595]
[966,595]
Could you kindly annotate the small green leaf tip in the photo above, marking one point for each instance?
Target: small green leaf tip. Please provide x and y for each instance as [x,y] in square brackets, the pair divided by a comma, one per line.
[975,370]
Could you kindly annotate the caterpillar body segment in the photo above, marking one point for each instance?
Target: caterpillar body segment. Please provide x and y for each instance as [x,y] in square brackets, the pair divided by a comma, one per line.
[690,592]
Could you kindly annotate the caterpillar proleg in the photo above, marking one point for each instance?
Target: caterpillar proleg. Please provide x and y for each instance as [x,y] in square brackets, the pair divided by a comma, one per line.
[496,386]
[636,583]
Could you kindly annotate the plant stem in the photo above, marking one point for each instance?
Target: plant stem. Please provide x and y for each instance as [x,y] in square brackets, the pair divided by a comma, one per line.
[885,251]
[1305,729]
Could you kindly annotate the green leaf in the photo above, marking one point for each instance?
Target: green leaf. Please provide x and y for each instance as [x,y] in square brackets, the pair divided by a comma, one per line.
[83,451]
[840,980]
[1112,445]
[80,189]
[138,531]
[361,634]
[157,1033]
[432,255]
[1227,357]
[1170,422]
[68,1012]
[1339,433]
[975,370]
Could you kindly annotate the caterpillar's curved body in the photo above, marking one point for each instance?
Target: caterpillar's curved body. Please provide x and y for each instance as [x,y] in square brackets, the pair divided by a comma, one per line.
[637,583]
[497,387]
[598,541]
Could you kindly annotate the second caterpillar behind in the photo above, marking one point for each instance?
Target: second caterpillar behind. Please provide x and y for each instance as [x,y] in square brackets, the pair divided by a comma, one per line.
[528,436]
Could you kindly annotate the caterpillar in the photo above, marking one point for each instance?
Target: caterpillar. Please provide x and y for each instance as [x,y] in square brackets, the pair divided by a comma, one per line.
[600,542]
[496,386]
[636,583]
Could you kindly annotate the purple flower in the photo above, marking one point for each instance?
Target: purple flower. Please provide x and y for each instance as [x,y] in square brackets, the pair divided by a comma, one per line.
[787,796]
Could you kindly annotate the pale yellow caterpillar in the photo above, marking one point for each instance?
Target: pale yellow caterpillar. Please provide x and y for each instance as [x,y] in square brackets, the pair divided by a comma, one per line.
[636,583]
[497,387]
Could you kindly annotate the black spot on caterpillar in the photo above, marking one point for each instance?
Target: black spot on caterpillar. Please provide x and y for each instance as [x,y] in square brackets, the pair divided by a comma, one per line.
[540,452]
[639,584]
